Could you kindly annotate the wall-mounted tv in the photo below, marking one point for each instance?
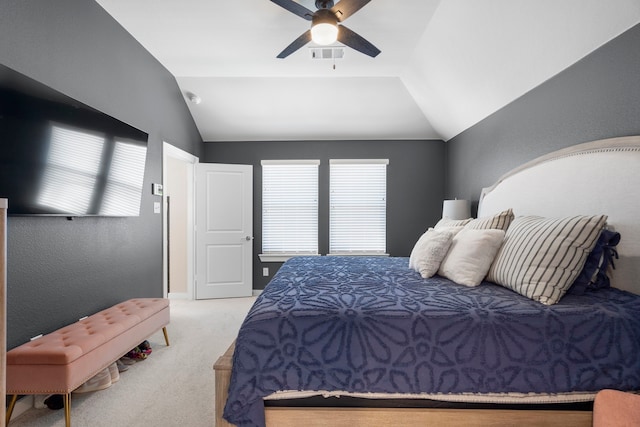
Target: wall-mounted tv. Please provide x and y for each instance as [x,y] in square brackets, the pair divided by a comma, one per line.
[61,157]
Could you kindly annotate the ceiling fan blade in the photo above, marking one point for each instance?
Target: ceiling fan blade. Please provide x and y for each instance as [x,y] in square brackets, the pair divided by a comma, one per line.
[297,44]
[345,8]
[295,8]
[354,41]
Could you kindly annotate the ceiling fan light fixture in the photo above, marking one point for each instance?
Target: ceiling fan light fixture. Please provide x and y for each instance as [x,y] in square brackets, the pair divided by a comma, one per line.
[324,27]
[324,34]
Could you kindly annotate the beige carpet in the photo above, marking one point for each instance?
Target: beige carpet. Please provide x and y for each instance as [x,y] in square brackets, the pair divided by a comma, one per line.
[173,387]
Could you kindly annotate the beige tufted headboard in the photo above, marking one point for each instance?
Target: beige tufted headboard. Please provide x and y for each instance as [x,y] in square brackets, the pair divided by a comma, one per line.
[599,177]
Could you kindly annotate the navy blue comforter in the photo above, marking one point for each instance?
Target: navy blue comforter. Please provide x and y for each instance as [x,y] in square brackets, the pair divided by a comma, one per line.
[371,324]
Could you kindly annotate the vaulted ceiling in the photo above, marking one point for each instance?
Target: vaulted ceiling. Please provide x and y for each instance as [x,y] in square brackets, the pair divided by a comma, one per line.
[445,64]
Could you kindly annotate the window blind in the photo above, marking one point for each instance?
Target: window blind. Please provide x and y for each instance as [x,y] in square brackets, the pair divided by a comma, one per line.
[290,207]
[358,206]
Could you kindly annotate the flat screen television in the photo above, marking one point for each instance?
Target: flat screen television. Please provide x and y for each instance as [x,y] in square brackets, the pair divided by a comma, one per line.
[63,158]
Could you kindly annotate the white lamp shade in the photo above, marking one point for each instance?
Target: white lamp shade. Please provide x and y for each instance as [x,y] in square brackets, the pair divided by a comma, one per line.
[456,209]
[324,33]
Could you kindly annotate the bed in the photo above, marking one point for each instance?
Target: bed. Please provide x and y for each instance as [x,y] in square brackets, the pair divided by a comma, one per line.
[373,328]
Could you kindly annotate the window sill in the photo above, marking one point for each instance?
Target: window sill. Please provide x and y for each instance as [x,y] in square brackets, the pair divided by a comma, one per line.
[357,254]
[287,257]
[281,257]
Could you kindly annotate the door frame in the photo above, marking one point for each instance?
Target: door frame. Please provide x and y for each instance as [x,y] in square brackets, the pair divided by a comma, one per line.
[169,150]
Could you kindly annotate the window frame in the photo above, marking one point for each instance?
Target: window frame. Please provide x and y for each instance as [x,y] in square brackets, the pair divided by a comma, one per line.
[374,252]
[282,256]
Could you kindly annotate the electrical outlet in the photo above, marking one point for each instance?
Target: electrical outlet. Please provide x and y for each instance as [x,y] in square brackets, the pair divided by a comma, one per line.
[265,271]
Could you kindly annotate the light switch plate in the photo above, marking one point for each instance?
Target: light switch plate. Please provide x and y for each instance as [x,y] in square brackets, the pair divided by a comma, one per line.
[156,189]
[156,207]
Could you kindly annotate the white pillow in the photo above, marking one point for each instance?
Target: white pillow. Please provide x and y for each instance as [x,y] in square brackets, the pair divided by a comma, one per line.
[429,250]
[470,255]
[541,257]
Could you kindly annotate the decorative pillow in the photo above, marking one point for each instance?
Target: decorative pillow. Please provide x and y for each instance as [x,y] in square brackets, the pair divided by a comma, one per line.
[416,248]
[595,274]
[541,257]
[429,250]
[447,222]
[500,221]
[470,255]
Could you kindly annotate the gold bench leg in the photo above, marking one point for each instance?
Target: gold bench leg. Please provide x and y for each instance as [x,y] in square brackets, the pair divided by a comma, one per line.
[12,404]
[166,336]
[67,409]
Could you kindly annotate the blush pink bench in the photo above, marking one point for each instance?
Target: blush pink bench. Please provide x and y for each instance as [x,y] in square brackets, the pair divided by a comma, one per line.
[60,362]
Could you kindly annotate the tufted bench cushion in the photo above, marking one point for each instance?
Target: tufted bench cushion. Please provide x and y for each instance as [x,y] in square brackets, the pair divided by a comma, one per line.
[63,360]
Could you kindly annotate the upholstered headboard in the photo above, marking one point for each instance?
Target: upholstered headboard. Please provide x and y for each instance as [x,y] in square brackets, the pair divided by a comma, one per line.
[599,177]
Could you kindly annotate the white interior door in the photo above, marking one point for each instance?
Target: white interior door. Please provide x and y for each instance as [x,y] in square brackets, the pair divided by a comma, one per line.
[224,230]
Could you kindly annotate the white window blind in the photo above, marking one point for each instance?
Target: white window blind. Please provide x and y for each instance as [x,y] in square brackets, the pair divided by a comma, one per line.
[290,207]
[358,206]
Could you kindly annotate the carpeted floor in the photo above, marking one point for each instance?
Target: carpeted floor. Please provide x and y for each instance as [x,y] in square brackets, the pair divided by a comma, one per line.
[173,387]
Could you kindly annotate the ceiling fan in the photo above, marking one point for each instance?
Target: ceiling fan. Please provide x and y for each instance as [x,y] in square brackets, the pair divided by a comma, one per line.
[325,27]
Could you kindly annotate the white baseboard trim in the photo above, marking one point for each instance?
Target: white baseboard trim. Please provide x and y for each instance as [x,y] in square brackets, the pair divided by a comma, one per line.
[256,292]
[179,295]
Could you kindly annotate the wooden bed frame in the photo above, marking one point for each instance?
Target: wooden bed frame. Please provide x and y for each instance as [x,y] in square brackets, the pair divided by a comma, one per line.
[393,417]
[601,177]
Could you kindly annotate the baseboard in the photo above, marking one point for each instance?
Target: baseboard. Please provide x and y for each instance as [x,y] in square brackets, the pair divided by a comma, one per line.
[184,295]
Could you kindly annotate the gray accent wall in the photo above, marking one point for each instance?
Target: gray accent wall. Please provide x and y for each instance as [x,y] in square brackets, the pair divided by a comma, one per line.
[61,270]
[415,184]
[596,98]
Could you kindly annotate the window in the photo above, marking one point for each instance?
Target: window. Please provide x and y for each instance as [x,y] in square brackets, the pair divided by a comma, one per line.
[289,208]
[358,206]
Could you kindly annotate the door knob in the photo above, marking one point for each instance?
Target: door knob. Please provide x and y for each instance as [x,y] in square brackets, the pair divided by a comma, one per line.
[248,238]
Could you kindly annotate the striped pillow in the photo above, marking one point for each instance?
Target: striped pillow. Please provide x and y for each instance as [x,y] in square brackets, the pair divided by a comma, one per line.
[541,257]
[499,221]
[448,222]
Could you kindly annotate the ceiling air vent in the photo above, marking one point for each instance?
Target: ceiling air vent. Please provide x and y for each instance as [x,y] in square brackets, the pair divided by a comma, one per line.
[327,52]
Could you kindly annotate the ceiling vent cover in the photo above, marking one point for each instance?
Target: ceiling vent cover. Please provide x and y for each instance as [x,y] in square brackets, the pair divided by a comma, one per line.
[327,52]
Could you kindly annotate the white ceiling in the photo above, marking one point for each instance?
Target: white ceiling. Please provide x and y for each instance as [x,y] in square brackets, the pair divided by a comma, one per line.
[445,64]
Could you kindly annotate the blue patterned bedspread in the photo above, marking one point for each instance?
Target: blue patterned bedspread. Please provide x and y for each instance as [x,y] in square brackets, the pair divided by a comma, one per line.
[371,324]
